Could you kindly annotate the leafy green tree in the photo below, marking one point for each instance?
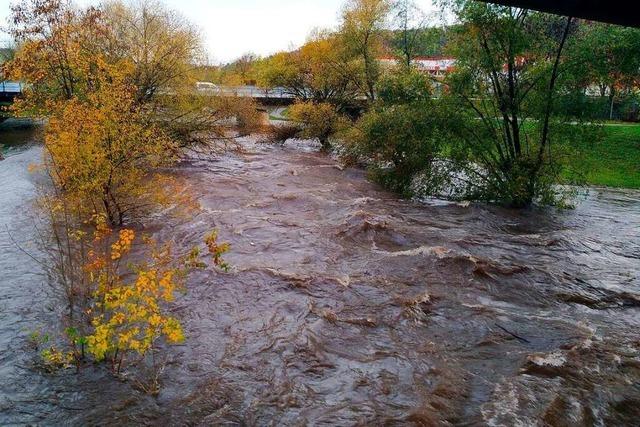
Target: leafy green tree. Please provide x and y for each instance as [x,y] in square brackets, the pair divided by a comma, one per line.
[509,63]
[411,37]
[402,135]
[608,57]
[409,20]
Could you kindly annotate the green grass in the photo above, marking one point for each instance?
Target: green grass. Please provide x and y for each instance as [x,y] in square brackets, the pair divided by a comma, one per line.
[284,115]
[612,160]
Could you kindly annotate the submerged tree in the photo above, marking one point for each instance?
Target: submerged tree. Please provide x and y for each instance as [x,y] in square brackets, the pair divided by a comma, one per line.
[508,67]
[104,144]
[403,134]
[319,121]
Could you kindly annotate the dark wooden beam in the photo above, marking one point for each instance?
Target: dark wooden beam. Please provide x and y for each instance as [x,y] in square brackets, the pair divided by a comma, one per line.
[611,11]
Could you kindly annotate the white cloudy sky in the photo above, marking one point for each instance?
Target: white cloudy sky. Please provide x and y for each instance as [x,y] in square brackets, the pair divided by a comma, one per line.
[233,27]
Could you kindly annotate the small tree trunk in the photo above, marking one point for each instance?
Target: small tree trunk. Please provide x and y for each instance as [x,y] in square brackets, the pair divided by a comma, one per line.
[612,96]
[324,141]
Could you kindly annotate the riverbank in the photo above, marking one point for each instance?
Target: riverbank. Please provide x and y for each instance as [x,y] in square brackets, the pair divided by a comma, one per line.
[17,134]
[613,160]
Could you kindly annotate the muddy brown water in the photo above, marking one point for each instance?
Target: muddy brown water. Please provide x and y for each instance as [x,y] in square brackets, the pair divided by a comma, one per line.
[349,306]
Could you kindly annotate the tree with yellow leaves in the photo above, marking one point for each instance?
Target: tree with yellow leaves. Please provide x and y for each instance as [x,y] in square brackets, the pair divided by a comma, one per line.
[103,150]
[319,70]
[57,53]
[106,138]
[361,31]
[320,121]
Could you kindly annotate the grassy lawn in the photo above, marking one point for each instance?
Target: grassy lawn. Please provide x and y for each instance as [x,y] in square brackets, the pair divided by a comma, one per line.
[284,115]
[614,160]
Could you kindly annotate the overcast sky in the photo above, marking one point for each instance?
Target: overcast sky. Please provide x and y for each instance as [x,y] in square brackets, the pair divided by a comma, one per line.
[233,27]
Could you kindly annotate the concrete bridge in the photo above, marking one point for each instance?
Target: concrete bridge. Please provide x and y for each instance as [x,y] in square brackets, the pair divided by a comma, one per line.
[273,96]
[9,90]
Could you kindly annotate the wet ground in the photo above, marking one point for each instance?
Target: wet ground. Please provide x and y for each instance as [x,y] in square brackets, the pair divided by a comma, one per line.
[349,306]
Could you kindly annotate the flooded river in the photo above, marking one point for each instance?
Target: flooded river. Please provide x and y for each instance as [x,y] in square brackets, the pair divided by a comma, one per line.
[349,306]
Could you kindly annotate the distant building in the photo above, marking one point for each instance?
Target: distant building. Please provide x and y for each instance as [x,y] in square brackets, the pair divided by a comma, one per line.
[436,66]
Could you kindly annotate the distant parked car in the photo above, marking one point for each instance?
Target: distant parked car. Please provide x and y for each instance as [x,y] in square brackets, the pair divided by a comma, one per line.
[207,87]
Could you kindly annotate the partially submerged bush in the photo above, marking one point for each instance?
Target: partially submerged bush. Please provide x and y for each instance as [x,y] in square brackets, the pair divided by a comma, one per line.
[280,133]
[120,309]
[317,120]
[400,136]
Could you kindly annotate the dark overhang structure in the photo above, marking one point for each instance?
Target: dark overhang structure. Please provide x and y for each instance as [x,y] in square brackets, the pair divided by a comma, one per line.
[610,11]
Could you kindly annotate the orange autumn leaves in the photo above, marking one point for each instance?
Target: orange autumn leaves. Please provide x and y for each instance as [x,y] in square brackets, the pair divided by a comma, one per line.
[106,145]
[123,244]
[129,316]
[103,150]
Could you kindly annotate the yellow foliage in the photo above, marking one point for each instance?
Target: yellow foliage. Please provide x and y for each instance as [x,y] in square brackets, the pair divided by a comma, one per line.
[101,151]
[318,120]
[129,317]
[56,359]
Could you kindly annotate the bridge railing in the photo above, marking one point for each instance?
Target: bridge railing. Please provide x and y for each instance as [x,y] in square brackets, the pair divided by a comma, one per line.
[9,87]
[245,91]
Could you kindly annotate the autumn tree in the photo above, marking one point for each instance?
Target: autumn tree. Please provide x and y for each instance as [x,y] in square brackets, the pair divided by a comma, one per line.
[318,70]
[166,52]
[317,120]
[244,68]
[102,151]
[58,52]
[163,46]
[100,146]
[105,141]
[361,31]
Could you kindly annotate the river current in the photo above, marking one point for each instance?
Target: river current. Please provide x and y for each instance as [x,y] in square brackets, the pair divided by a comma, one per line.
[346,305]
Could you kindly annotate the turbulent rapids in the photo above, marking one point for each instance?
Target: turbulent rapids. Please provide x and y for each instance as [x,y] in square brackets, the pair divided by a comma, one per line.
[348,306]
